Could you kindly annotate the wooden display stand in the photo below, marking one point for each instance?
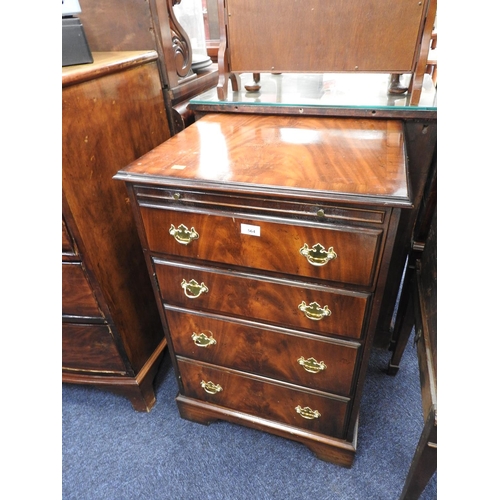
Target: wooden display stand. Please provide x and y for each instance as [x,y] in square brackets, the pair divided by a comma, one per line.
[280,36]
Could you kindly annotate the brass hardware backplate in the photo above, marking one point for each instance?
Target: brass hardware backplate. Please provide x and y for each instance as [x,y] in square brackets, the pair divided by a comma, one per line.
[317,255]
[314,311]
[192,289]
[210,387]
[201,340]
[307,412]
[311,365]
[183,235]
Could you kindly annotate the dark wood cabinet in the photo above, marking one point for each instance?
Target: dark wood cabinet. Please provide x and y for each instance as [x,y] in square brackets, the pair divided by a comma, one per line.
[112,337]
[120,25]
[268,240]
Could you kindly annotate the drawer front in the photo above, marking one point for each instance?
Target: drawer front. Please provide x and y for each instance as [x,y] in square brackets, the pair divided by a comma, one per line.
[274,301]
[342,254]
[77,296]
[67,241]
[290,357]
[256,396]
[90,348]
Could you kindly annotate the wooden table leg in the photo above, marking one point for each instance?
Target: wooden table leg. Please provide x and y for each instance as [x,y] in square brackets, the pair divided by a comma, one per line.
[424,462]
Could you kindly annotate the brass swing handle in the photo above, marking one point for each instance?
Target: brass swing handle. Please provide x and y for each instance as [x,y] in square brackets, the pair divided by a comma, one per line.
[201,340]
[183,235]
[314,311]
[307,412]
[192,290]
[210,387]
[311,365]
[317,255]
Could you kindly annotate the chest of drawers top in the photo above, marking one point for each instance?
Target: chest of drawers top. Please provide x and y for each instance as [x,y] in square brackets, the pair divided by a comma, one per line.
[360,161]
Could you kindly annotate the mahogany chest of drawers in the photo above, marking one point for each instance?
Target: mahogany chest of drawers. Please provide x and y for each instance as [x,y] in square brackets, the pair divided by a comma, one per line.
[112,335]
[267,240]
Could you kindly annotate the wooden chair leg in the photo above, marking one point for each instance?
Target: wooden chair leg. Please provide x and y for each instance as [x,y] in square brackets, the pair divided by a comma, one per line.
[405,319]
[424,463]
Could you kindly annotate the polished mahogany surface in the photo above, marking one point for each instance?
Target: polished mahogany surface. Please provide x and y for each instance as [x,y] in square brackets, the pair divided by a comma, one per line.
[256,396]
[339,158]
[227,210]
[356,249]
[106,63]
[113,112]
[254,296]
[77,295]
[259,348]
[89,348]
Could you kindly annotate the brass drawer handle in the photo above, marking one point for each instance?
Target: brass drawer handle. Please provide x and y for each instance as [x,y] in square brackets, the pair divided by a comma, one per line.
[210,387]
[183,235]
[311,365]
[317,255]
[307,412]
[201,340]
[192,290]
[314,311]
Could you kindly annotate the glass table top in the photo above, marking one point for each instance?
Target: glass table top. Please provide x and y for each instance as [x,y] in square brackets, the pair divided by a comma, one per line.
[328,90]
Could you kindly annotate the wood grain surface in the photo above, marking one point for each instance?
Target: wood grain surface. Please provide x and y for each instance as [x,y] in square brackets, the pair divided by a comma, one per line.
[339,158]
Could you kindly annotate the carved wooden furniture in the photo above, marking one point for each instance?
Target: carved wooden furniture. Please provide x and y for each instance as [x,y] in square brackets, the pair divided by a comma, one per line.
[432,63]
[281,36]
[421,312]
[268,240]
[112,337]
[118,25]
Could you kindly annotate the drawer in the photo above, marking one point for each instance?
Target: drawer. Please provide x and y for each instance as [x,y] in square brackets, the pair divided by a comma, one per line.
[328,252]
[67,241]
[316,308]
[77,296]
[327,365]
[90,348]
[263,398]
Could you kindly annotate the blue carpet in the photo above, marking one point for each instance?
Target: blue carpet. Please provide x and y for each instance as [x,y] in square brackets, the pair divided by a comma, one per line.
[111,452]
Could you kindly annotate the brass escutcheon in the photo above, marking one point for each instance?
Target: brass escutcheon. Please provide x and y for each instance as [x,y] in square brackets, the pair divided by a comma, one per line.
[307,412]
[183,235]
[201,340]
[317,255]
[314,311]
[210,387]
[192,290]
[311,365]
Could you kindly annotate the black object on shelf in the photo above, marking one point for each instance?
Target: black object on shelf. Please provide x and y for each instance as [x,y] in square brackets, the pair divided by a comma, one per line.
[75,49]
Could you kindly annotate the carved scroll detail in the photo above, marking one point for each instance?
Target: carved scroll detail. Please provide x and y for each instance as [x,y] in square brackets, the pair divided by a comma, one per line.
[180,43]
